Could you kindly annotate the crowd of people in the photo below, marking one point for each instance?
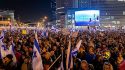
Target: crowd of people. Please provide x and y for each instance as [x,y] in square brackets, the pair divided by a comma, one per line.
[99,50]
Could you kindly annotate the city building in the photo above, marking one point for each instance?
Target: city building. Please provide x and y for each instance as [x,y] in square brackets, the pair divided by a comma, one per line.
[6,18]
[62,6]
[112,12]
[53,9]
[84,3]
[61,9]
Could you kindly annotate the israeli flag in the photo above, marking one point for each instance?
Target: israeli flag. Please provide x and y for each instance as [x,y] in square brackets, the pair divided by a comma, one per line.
[36,58]
[2,36]
[75,51]
[69,58]
[4,50]
[11,51]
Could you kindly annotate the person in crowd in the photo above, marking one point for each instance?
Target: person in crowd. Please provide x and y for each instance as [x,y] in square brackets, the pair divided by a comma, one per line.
[98,63]
[120,62]
[81,53]
[26,64]
[47,61]
[8,63]
[84,65]
[90,57]
[97,48]
[91,67]
[107,66]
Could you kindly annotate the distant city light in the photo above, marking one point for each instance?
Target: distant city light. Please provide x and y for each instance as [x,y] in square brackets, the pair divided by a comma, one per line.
[121,0]
[43,20]
[60,8]
[45,17]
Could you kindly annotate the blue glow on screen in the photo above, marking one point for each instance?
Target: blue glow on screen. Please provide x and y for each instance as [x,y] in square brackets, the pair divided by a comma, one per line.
[87,17]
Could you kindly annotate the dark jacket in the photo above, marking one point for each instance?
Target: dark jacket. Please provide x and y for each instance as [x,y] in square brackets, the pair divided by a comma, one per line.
[10,66]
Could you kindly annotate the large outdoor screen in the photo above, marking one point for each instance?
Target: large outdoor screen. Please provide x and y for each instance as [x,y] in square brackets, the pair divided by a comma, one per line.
[87,17]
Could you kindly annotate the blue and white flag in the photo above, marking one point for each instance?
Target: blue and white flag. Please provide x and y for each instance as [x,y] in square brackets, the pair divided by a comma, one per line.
[44,33]
[36,58]
[4,50]
[69,59]
[2,36]
[11,51]
[74,51]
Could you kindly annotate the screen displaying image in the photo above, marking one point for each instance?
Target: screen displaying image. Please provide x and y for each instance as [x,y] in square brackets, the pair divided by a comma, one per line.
[87,17]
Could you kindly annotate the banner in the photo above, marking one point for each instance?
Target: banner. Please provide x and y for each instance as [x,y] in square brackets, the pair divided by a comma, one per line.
[24,32]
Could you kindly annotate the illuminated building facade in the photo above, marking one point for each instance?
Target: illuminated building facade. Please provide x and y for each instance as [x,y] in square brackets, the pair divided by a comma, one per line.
[112,12]
[6,18]
[53,9]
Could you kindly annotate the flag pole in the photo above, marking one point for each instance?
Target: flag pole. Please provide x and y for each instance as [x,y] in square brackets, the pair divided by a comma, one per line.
[54,62]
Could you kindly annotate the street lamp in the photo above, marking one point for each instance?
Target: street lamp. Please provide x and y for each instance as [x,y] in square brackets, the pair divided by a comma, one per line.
[45,17]
[43,20]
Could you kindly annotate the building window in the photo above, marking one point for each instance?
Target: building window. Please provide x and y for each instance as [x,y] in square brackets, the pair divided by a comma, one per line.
[123,12]
[121,0]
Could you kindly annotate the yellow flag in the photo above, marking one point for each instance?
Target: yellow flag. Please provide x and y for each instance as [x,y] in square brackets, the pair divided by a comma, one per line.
[24,32]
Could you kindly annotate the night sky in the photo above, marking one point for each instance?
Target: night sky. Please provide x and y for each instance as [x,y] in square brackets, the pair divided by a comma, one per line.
[27,10]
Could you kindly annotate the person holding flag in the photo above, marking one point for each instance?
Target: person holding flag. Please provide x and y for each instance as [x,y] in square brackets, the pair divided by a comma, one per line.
[7,55]
[75,51]
[36,58]
[11,50]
